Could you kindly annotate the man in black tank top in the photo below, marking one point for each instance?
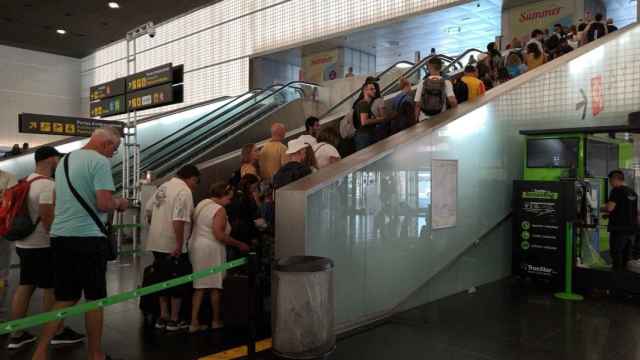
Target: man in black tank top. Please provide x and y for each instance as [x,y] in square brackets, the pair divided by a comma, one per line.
[622,207]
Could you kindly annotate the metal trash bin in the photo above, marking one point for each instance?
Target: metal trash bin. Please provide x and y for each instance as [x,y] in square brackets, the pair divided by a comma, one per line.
[303,308]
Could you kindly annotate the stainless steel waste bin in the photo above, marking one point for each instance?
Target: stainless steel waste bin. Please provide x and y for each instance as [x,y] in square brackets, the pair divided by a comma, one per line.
[303,308]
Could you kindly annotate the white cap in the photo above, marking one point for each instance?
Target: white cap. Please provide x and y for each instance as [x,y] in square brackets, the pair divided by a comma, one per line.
[296,145]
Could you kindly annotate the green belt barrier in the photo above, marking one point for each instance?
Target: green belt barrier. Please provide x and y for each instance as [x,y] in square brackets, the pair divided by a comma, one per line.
[80,309]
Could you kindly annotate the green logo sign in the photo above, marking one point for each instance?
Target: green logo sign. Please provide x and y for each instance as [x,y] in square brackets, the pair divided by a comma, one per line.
[525,245]
[525,225]
[525,235]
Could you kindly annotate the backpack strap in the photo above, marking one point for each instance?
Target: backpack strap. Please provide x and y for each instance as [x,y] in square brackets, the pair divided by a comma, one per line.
[39,177]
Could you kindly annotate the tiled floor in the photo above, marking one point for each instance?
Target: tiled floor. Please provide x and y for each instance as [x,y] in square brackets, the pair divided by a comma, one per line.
[500,321]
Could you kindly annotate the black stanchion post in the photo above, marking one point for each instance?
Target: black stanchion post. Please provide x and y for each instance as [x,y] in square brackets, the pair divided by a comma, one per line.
[253,270]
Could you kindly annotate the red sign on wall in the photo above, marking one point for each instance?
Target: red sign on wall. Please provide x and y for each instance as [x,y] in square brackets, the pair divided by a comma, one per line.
[597,95]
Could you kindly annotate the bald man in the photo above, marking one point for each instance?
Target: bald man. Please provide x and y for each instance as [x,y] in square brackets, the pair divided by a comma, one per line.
[77,241]
[274,153]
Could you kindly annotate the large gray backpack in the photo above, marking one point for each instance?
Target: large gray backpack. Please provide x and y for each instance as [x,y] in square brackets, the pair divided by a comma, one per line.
[433,96]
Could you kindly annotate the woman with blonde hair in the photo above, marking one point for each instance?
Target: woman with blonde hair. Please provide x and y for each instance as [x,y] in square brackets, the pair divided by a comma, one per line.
[209,237]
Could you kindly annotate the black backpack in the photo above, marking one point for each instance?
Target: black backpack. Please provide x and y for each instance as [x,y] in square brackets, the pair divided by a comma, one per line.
[433,96]
[461,90]
[596,31]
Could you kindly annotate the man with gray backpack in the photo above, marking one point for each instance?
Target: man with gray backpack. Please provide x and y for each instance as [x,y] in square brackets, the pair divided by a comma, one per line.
[435,92]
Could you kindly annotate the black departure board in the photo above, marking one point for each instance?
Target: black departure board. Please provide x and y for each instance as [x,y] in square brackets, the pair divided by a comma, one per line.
[107,107]
[151,97]
[109,89]
[62,125]
[149,78]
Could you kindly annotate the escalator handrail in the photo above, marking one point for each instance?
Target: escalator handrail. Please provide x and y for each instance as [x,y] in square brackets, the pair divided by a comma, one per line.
[242,113]
[459,58]
[207,117]
[413,70]
[348,97]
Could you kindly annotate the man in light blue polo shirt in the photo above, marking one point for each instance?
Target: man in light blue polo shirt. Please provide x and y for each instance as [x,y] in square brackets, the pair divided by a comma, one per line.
[78,244]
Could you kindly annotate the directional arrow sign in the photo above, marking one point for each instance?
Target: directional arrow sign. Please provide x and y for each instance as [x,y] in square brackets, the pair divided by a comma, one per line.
[583,104]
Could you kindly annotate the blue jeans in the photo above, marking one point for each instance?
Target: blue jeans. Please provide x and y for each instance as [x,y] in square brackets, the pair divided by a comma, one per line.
[362,139]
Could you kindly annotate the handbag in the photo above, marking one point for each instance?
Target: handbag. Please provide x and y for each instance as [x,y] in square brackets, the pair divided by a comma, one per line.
[111,248]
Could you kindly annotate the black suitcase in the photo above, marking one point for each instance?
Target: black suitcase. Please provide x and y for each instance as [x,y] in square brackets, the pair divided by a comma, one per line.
[235,301]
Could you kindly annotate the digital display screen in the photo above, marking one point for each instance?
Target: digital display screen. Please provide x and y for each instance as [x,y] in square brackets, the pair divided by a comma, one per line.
[148,78]
[62,125]
[152,97]
[108,107]
[109,89]
[552,153]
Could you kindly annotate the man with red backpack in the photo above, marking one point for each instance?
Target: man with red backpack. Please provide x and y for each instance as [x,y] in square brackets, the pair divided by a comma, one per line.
[33,246]
[434,92]
[7,180]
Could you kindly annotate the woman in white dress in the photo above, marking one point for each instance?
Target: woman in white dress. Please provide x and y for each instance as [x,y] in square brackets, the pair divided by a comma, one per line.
[207,249]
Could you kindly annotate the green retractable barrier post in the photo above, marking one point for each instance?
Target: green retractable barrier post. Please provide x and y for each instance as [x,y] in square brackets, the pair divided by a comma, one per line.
[568,294]
[80,309]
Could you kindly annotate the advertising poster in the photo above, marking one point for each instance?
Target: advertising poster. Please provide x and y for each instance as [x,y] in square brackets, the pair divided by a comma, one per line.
[540,15]
[321,66]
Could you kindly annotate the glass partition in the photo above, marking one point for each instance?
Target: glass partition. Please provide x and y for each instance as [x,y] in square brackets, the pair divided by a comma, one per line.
[371,212]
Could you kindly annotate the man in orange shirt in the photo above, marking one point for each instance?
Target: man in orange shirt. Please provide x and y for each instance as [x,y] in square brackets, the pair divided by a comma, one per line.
[475,85]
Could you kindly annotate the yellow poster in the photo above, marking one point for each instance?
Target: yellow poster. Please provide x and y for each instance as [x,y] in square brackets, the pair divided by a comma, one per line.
[540,15]
[320,66]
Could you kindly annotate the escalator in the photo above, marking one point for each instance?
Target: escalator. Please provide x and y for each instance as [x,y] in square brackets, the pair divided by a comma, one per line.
[425,213]
[221,126]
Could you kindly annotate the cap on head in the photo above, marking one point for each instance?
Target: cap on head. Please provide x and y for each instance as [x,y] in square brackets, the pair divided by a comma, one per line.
[616,174]
[296,145]
[45,152]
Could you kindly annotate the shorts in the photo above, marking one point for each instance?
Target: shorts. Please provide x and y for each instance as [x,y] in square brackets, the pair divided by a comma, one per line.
[35,267]
[80,266]
[169,268]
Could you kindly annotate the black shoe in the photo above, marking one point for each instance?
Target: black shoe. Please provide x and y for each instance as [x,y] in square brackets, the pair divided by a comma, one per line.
[176,325]
[67,337]
[20,341]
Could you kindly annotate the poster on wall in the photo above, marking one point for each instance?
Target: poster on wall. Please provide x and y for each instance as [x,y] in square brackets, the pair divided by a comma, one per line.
[540,15]
[321,66]
[444,193]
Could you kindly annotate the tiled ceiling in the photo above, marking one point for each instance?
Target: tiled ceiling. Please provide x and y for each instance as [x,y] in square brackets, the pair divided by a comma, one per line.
[89,24]
[449,31]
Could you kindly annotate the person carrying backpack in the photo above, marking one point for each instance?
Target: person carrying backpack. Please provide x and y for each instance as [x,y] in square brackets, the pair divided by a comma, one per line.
[403,108]
[33,245]
[7,180]
[596,29]
[434,92]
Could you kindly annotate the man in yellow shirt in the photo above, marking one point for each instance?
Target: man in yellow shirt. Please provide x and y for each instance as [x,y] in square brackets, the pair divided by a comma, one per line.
[273,154]
[475,85]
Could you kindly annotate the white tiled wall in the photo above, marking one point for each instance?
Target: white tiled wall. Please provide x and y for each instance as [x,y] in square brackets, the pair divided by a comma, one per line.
[215,43]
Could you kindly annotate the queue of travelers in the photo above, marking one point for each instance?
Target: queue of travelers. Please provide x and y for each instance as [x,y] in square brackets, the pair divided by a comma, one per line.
[65,255]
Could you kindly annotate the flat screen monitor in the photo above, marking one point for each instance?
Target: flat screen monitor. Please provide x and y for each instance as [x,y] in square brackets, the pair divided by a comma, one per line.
[552,153]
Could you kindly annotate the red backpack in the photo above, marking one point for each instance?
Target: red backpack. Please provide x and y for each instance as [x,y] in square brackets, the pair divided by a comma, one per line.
[15,222]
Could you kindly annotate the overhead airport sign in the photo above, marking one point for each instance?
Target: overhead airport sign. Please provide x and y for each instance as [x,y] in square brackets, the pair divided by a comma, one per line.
[109,89]
[149,78]
[147,89]
[62,125]
[151,97]
[107,107]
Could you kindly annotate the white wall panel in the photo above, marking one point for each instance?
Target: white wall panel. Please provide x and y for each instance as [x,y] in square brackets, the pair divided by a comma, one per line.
[214,43]
[36,82]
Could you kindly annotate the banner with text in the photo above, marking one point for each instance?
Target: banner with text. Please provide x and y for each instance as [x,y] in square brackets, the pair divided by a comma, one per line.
[540,15]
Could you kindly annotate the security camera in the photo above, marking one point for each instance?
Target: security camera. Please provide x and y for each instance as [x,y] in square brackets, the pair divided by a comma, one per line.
[152,32]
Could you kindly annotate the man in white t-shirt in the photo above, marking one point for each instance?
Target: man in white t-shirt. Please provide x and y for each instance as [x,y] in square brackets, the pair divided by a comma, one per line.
[170,209]
[439,90]
[326,154]
[36,256]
